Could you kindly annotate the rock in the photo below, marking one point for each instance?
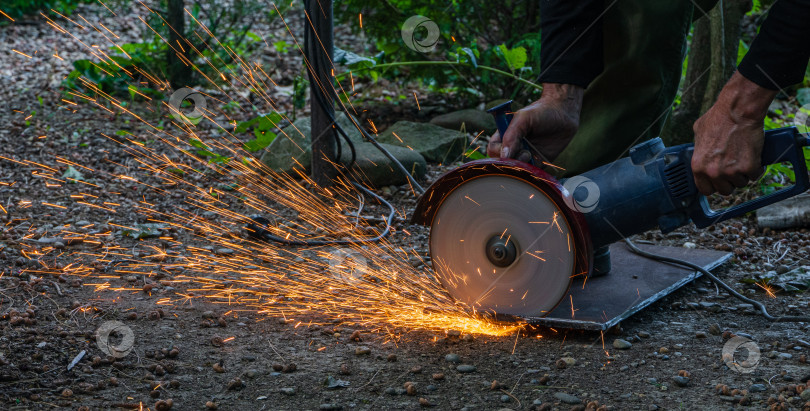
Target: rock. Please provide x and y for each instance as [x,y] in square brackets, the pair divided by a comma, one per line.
[434,143]
[224,251]
[643,334]
[474,121]
[373,167]
[288,391]
[569,361]
[505,398]
[465,368]
[621,344]
[681,381]
[362,351]
[567,398]
[689,245]
[453,358]
[806,394]
[714,329]
[785,356]
[330,407]
[700,334]
[292,147]
[758,388]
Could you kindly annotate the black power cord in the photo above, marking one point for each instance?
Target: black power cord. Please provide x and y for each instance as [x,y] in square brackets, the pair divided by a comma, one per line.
[259,225]
[717,281]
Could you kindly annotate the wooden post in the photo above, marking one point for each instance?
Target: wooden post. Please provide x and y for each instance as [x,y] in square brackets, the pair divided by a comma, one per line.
[179,72]
[320,50]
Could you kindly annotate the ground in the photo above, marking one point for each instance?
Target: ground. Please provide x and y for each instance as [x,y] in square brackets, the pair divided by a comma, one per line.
[198,353]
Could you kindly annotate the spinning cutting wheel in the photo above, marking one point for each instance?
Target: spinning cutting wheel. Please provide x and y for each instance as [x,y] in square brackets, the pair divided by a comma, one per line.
[501,244]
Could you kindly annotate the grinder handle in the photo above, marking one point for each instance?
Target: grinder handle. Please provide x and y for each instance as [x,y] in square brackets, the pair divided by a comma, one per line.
[503,116]
[783,145]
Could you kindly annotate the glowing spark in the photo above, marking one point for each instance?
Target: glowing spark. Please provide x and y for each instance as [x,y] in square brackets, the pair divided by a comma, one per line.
[21,53]
[6,15]
[417,101]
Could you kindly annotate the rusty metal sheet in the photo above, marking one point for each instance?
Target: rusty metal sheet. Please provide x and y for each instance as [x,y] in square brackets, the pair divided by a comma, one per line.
[633,283]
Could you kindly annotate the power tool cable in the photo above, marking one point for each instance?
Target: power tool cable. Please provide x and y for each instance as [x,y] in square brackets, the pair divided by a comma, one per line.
[634,248]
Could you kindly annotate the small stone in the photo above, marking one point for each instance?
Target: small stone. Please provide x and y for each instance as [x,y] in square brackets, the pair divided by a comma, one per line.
[689,245]
[621,344]
[758,388]
[505,398]
[224,251]
[453,333]
[567,398]
[424,402]
[643,334]
[465,368]
[806,394]
[663,350]
[416,369]
[680,381]
[390,391]
[211,405]
[467,337]
[288,391]
[362,351]
[453,358]
[785,356]
[391,358]
[236,384]
[438,376]
[700,334]
[714,329]
[330,407]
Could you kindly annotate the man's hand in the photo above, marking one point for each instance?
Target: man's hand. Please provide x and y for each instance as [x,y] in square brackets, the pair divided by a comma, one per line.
[729,137]
[548,124]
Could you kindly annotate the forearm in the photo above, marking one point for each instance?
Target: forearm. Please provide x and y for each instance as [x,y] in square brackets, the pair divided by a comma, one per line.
[745,100]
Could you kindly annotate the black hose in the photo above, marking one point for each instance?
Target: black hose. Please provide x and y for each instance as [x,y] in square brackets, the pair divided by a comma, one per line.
[717,281]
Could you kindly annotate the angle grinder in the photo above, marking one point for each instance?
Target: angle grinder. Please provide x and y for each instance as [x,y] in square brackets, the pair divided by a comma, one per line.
[507,237]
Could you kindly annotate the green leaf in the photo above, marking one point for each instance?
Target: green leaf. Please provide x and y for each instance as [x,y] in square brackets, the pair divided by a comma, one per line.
[352,60]
[515,58]
[72,175]
[474,154]
[467,52]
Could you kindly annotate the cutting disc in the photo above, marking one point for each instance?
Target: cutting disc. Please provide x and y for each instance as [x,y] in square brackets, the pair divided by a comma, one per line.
[501,244]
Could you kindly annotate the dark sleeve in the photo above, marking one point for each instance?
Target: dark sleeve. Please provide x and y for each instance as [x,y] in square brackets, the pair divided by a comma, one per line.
[778,56]
[571,35]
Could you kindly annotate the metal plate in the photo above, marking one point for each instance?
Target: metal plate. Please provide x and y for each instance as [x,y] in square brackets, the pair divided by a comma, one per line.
[633,283]
[510,209]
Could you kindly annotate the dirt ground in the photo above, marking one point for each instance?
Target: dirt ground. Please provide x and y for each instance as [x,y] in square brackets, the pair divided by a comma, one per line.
[195,354]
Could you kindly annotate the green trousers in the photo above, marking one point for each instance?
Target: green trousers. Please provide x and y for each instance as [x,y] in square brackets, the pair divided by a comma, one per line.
[644,48]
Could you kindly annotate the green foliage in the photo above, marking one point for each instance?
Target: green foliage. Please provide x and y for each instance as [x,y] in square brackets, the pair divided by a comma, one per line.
[475,33]
[114,78]
[204,151]
[262,126]
[19,8]
[226,35]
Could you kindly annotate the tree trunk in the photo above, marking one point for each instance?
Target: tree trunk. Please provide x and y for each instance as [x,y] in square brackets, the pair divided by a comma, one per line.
[179,72]
[712,61]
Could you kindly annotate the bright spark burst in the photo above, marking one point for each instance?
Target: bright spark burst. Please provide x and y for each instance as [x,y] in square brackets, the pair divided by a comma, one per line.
[385,293]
